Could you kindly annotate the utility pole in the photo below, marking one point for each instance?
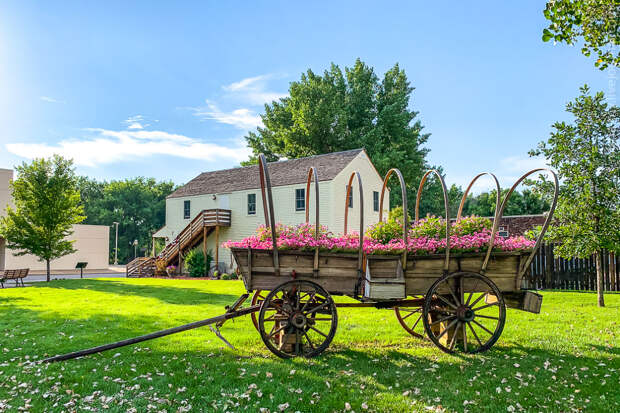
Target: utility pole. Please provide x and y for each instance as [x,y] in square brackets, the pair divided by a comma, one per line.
[116,244]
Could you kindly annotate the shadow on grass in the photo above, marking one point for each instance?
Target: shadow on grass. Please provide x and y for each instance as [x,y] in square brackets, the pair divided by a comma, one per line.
[384,373]
[169,294]
[10,300]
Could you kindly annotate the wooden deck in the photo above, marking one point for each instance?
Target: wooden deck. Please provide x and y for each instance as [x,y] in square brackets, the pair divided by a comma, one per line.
[206,222]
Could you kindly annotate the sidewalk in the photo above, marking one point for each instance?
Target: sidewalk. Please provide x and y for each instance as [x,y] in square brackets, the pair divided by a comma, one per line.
[40,276]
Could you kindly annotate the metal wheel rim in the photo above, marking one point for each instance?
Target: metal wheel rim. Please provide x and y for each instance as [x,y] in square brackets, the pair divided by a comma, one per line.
[299,318]
[256,298]
[479,334]
[410,319]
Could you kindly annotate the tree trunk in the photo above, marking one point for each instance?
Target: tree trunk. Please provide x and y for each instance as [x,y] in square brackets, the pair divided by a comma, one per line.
[599,278]
[48,270]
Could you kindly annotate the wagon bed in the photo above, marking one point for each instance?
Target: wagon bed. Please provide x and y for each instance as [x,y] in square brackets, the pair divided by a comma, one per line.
[337,272]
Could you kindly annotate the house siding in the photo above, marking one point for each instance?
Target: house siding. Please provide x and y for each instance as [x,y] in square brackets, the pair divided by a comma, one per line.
[331,211]
[371,181]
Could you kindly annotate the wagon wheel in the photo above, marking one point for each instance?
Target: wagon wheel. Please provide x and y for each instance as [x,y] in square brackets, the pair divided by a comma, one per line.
[298,318]
[472,314]
[257,298]
[410,318]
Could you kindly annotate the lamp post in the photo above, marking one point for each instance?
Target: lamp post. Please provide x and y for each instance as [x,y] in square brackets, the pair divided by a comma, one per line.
[135,248]
[116,244]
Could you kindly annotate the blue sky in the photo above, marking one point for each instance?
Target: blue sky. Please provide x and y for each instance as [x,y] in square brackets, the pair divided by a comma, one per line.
[170,89]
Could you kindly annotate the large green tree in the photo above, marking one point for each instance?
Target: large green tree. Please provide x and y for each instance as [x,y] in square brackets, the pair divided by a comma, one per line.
[137,204]
[47,204]
[341,110]
[595,22]
[586,155]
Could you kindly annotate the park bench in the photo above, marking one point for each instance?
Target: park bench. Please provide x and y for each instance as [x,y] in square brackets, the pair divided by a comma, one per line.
[17,275]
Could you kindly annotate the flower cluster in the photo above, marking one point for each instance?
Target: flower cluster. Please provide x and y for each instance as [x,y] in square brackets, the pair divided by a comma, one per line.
[302,237]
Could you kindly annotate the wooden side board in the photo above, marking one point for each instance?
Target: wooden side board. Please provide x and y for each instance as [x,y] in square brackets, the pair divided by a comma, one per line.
[338,272]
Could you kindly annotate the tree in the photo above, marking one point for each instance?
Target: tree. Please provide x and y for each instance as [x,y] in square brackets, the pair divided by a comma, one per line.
[339,111]
[47,204]
[527,202]
[137,204]
[586,155]
[596,22]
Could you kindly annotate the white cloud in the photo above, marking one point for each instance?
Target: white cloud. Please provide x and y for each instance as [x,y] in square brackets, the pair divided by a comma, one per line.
[253,90]
[246,83]
[242,118]
[136,122]
[108,146]
[248,92]
[50,99]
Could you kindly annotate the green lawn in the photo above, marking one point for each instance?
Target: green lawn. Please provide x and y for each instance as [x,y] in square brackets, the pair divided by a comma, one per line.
[565,359]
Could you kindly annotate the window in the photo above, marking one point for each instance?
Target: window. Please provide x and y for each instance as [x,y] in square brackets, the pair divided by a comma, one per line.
[375,201]
[350,201]
[186,210]
[251,204]
[300,199]
[503,234]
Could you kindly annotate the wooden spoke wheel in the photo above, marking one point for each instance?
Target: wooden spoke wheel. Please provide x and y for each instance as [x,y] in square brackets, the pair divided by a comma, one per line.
[298,318]
[257,298]
[410,318]
[464,312]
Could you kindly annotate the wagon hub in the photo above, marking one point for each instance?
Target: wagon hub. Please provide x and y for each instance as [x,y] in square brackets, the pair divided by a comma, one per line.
[298,320]
[465,313]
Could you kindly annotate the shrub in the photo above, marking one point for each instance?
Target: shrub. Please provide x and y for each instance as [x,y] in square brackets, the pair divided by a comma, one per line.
[385,231]
[216,274]
[195,262]
[160,267]
[429,227]
[471,225]
[397,214]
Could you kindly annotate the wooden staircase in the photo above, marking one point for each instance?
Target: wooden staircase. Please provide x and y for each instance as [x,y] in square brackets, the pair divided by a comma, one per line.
[206,222]
[141,267]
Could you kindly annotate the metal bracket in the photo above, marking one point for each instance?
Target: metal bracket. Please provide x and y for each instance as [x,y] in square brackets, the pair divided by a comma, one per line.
[216,331]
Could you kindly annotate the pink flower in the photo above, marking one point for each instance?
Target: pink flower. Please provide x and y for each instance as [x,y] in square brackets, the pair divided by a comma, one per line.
[302,237]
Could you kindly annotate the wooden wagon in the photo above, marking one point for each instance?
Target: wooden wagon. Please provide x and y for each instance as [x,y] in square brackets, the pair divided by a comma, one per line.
[458,300]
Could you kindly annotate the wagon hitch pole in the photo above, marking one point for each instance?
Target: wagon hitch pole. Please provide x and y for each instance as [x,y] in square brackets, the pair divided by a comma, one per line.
[219,319]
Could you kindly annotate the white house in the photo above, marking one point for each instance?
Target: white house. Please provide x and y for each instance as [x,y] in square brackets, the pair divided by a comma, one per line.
[238,190]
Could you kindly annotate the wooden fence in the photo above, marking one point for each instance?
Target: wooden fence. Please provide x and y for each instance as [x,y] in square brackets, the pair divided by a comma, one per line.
[548,271]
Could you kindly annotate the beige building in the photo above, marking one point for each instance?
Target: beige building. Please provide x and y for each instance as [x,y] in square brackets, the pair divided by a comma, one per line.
[92,242]
[238,190]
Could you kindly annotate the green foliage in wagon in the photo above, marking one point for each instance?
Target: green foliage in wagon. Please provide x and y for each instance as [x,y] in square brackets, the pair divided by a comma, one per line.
[385,231]
[471,225]
[390,229]
[430,227]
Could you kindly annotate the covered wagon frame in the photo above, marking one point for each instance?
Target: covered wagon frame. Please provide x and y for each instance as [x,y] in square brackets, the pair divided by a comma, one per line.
[457,300]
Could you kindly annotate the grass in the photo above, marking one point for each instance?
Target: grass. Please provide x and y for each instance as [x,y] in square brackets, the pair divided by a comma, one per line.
[565,359]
